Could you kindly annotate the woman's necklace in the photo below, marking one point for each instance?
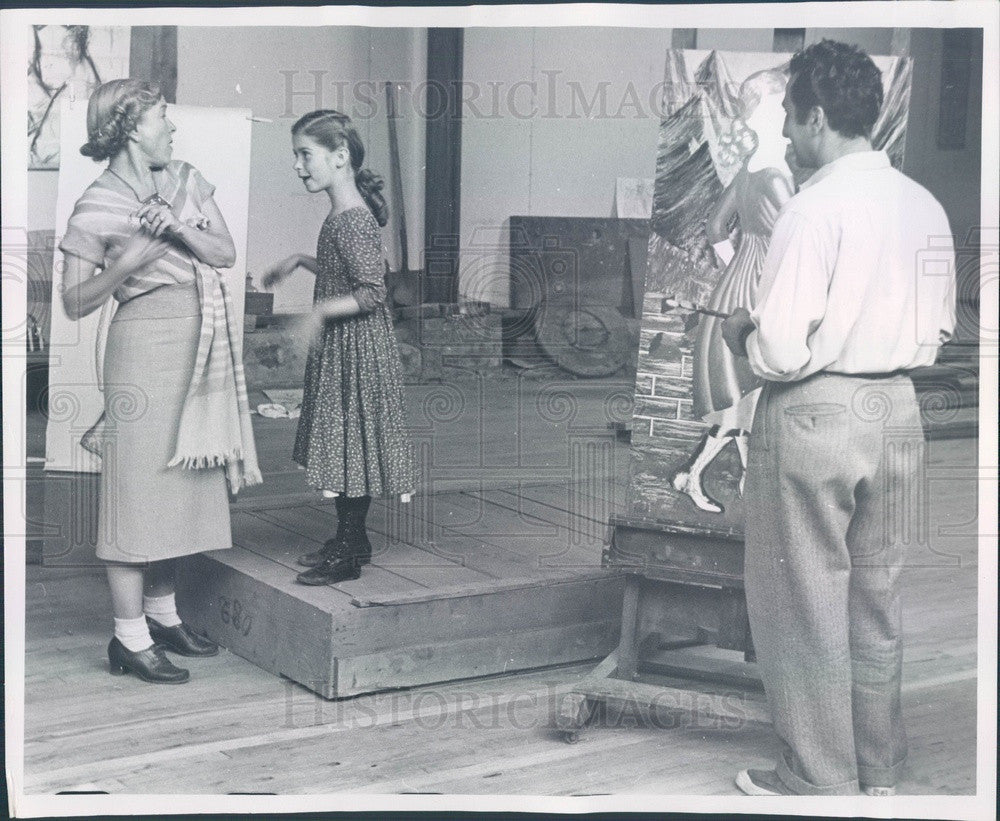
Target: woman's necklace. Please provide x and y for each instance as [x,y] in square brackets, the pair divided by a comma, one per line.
[154,197]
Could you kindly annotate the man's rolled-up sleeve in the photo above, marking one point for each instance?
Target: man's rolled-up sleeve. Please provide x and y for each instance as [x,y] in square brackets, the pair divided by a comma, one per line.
[791,300]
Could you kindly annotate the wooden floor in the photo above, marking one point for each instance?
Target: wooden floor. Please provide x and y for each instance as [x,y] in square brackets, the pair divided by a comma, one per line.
[236,728]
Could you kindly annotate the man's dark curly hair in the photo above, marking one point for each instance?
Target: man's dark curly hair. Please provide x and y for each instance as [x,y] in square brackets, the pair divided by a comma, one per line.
[840,79]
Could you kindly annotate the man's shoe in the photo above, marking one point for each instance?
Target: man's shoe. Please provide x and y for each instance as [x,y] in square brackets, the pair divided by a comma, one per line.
[869,790]
[181,639]
[150,664]
[761,782]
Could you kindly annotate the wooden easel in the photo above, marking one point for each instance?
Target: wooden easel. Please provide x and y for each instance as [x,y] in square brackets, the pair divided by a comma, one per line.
[678,580]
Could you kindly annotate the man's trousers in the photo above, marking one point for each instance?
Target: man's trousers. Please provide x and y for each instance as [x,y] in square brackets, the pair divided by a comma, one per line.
[831,495]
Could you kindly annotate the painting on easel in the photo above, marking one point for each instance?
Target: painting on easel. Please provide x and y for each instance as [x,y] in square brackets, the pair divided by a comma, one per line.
[723,172]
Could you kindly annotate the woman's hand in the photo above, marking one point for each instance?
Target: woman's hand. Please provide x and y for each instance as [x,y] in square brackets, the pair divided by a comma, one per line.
[158,219]
[84,291]
[282,270]
[141,249]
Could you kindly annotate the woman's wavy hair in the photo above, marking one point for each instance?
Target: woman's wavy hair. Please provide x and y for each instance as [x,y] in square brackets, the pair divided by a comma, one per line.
[112,113]
[843,81]
[333,130]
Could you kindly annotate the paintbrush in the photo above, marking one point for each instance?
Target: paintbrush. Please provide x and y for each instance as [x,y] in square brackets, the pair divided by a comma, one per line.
[670,303]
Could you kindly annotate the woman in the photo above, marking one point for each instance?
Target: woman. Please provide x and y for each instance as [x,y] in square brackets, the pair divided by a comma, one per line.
[176,424]
[725,389]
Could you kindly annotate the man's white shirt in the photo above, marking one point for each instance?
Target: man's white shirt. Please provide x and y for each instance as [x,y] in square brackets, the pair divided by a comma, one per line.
[859,276]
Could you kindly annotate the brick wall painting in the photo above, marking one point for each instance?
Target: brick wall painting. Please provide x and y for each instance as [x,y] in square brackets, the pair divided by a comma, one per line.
[698,157]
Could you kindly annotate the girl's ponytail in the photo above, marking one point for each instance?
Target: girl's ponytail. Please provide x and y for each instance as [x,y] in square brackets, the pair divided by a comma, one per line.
[370,185]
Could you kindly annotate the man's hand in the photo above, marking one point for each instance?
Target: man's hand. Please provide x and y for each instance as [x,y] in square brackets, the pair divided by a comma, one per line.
[735,330]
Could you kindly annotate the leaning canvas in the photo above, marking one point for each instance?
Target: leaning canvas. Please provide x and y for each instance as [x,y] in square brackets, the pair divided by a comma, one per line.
[722,174]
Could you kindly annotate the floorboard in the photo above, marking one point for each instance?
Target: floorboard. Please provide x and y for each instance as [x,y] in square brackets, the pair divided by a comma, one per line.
[236,728]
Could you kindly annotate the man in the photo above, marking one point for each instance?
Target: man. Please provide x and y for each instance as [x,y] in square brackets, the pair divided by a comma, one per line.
[857,289]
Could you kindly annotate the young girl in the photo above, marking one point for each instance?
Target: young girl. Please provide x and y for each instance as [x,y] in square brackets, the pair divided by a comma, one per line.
[352,438]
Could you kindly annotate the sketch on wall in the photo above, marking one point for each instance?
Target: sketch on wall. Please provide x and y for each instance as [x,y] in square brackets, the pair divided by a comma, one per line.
[723,172]
[68,61]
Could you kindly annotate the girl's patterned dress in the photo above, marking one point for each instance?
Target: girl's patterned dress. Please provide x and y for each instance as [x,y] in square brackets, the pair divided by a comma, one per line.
[352,436]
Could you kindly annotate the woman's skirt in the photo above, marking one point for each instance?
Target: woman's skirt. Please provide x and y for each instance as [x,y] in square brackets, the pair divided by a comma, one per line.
[149,512]
[721,380]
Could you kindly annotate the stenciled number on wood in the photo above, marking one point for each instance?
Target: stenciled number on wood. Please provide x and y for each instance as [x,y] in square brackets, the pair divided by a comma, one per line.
[234,614]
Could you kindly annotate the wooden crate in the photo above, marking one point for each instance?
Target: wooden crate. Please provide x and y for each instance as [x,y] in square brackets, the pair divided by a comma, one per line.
[67,528]
[273,356]
[419,613]
[448,341]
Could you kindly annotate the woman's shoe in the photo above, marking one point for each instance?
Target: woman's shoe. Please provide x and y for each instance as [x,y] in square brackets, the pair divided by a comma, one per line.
[702,500]
[688,480]
[686,484]
[150,664]
[181,639]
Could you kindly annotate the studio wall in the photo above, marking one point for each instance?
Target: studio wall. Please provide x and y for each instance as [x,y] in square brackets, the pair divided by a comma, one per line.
[566,165]
[258,67]
[560,161]
[564,160]
[325,67]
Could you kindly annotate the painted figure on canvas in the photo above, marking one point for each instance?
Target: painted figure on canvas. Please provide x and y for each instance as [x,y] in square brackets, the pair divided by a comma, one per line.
[67,61]
[725,389]
[723,174]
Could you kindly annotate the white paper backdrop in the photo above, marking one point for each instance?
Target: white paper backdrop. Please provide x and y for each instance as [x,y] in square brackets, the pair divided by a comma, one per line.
[217,142]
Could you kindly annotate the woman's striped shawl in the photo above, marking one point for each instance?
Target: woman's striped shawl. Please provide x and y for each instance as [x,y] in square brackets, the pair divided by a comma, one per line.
[214,428]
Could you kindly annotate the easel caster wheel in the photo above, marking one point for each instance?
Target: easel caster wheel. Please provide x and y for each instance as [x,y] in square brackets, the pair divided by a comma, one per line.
[571,736]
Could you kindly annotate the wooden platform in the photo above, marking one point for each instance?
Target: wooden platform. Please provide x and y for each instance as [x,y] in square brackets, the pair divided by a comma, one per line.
[238,728]
[452,604]
[494,566]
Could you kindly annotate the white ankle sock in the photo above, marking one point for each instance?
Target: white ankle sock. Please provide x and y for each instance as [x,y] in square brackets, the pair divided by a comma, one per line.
[133,633]
[162,609]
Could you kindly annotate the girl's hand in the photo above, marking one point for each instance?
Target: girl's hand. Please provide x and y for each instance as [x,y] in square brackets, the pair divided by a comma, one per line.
[158,219]
[308,331]
[280,271]
[312,328]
